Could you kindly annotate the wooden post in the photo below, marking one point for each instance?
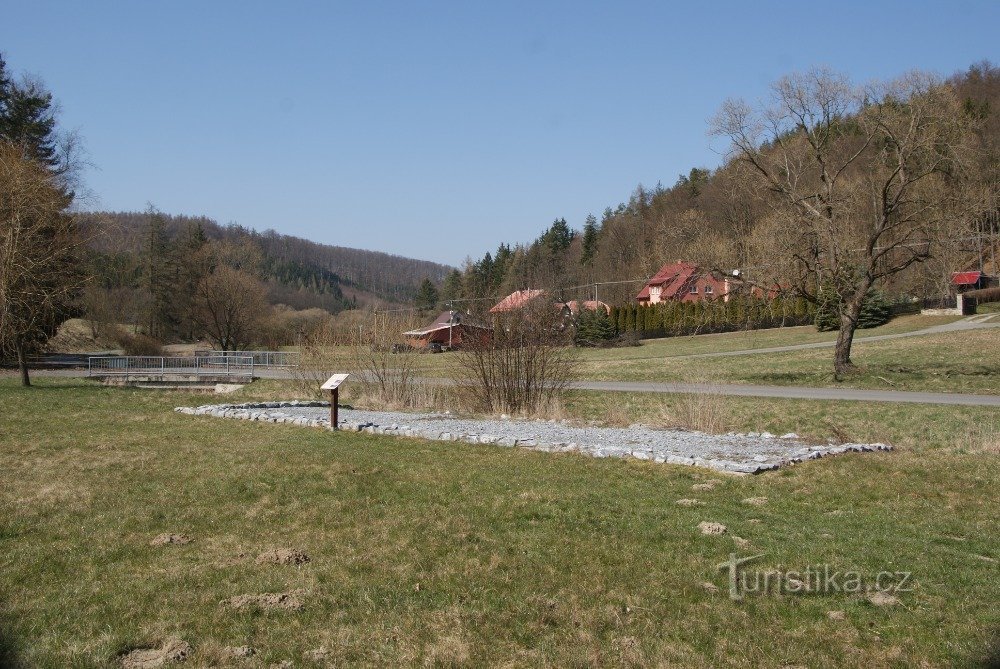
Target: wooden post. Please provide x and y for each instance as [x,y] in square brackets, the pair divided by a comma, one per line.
[334,400]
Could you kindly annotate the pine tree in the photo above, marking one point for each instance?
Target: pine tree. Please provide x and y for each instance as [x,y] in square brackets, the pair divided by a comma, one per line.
[451,289]
[589,240]
[427,296]
[27,119]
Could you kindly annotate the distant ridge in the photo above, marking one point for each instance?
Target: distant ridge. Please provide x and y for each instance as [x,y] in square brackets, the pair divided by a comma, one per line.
[300,273]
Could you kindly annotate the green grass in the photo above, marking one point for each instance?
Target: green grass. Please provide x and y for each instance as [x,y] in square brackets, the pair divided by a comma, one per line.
[451,554]
[948,362]
[952,362]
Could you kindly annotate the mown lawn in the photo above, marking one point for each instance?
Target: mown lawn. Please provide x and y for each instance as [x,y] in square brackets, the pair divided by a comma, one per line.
[451,554]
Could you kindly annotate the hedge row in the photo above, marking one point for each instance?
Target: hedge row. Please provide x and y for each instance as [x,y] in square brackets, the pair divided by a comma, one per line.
[668,319]
[983,295]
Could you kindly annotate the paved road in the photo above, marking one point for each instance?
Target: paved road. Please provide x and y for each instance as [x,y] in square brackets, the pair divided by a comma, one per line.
[788,392]
[792,392]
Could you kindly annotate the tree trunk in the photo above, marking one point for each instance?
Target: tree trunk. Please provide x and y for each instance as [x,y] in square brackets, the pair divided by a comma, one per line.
[22,364]
[849,313]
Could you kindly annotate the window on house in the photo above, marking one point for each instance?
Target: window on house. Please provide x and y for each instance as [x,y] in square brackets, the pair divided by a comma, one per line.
[693,290]
[708,290]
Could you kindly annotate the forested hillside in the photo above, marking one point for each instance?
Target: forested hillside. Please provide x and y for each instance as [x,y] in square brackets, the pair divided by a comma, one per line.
[706,215]
[299,273]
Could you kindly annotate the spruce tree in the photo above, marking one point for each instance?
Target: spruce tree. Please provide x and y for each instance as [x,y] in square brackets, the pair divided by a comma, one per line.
[589,240]
[427,296]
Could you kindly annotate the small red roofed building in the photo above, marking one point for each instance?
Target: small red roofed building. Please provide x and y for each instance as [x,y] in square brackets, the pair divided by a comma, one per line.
[517,300]
[963,282]
[451,329]
[684,282]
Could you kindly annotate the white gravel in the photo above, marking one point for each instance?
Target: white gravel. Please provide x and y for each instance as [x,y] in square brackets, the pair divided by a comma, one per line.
[738,453]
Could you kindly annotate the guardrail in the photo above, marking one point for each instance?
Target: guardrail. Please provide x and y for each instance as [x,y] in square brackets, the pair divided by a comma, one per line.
[147,365]
[267,358]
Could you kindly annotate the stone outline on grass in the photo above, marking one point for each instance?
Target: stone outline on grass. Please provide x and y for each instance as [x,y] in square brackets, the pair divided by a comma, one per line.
[270,412]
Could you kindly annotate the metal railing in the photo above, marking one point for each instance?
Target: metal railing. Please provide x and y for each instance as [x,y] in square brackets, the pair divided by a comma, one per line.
[267,358]
[149,365]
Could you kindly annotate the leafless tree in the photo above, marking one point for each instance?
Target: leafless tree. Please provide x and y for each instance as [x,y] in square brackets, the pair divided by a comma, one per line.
[384,369]
[524,366]
[231,305]
[38,255]
[859,183]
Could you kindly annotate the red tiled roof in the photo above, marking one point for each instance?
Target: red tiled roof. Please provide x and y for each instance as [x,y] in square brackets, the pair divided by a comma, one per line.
[589,305]
[516,300]
[671,278]
[965,278]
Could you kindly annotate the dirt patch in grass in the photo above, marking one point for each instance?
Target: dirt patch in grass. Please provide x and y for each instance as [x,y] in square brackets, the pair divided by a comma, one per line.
[172,650]
[168,538]
[711,528]
[287,556]
[288,601]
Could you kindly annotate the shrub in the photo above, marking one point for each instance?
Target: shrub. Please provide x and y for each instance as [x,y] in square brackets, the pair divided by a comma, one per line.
[593,328]
[875,310]
[136,344]
[524,368]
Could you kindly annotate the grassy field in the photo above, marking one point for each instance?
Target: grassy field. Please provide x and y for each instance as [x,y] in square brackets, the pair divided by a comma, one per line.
[951,362]
[447,554]
[948,362]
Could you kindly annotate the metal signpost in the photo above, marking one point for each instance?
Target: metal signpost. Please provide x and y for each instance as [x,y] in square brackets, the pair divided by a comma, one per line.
[333,384]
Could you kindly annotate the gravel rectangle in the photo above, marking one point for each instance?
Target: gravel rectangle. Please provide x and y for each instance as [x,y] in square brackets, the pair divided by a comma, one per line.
[737,453]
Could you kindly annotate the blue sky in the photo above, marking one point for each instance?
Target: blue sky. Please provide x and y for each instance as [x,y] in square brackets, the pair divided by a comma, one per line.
[431,129]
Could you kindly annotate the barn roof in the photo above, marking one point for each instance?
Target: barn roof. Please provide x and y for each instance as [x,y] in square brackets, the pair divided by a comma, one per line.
[965,278]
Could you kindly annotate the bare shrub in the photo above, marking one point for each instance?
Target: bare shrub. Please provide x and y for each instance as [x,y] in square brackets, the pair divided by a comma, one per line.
[383,374]
[385,370]
[523,368]
[705,412]
[136,343]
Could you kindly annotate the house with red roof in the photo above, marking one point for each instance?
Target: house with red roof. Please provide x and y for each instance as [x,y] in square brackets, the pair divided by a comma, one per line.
[576,306]
[522,298]
[451,329]
[517,300]
[684,282]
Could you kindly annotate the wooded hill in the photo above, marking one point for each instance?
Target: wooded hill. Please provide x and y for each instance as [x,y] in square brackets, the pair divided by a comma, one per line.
[297,272]
[704,215]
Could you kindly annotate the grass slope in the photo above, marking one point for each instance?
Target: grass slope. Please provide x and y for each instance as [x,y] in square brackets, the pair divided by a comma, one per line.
[452,554]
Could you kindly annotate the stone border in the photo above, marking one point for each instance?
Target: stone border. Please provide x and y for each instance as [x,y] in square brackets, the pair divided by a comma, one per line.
[269,412]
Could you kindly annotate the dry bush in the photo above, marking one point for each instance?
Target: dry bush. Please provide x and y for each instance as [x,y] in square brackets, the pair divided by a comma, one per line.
[523,368]
[136,343]
[380,377]
[384,374]
[705,412]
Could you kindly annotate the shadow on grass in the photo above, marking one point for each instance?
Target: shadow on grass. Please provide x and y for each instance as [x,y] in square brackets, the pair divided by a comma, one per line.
[991,658]
[8,647]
